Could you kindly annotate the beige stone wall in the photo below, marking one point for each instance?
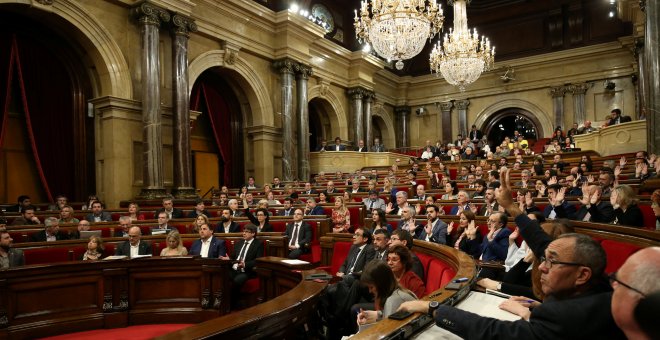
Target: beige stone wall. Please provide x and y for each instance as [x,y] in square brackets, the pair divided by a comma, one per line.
[243,40]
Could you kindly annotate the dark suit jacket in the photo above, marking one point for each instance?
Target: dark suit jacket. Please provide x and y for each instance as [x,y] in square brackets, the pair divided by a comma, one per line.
[193,214]
[496,249]
[233,228]
[438,232]
[333,147]
[237,213]
[216,249]
[105,217]
[475,135]
[283,212]
[316,211]
[633,217]
[144,248]
[564,210]
[365,256]
[311,192]
[363,149]
[586,316]
[454,209]
[16,258]
[255,250]
[41,236]
[600,213]
[176,213]
[22,221]
[304,235]
[378,148]
[418,231]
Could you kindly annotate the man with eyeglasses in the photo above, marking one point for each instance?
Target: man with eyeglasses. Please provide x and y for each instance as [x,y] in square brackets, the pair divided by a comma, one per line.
[299,234]
[576,306]
[637,278]
[401,237]
[359,254]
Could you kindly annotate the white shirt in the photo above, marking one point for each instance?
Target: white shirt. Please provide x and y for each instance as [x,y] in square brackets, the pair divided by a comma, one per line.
[227,227]
[206,245]
[246,246]
[135,250]
[350,270]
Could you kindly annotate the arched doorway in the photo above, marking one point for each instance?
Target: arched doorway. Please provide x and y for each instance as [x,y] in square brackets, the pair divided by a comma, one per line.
[217,136]
[504,122]
[319,122]
[48,140]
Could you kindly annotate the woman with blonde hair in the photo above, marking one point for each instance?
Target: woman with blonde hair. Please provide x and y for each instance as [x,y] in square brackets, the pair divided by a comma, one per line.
[626,211]
[199,221]
[134,212]
[94,249]
[341,217]
[174,245]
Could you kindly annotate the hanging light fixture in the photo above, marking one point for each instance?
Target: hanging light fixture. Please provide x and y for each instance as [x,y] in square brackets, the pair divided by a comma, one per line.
[462,57]
[396,29]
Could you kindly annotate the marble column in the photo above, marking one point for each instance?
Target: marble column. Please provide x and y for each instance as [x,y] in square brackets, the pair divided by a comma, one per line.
[368,121]
[356,94]
[652,39]
[579,108]
[403,114]
[150,18]
[302,76]
[285,67]
[557,94]
[641,82]
[183,185]
[445,109]
[461,106]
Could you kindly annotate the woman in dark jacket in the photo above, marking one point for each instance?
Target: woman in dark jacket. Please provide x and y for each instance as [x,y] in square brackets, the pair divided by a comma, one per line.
[626,211]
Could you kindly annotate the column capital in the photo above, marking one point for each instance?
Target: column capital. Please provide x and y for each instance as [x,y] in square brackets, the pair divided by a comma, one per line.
[402,110]
[303,71]
[150,14]
[558,91]
[446,106]
[285,65]
[462,104]
[358,92]
[578,88]
[370,96]
[183,25]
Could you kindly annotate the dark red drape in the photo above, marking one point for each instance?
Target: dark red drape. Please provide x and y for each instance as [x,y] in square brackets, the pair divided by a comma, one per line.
[47,101]
[219,116]
[6,67]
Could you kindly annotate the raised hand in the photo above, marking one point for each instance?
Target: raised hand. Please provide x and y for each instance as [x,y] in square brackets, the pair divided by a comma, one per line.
[418,208]
[529,201]
[471,231]
[622,161]
[552,180]
[389,208]
[559,197]
[428,229]
[595,197]
[617,171]
[450,227]
[473,208]
[585,194]
[513,236]
[590,179]
[652,158]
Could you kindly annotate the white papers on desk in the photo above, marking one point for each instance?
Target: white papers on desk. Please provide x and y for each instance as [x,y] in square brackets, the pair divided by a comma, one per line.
[476,302]
[295,262]
[115,257]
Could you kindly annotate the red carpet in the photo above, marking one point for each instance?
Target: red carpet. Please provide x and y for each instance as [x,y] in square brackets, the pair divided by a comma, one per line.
[128,333]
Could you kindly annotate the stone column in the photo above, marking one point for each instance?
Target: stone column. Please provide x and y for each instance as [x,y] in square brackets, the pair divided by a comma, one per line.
[356,94]
[402,113]
[642,78]
[302,75]
[557,94]
[652,38]
[369,132]
[579,109]
[183,185]
[150,18]
[285,68]
[445,108]
[461,106]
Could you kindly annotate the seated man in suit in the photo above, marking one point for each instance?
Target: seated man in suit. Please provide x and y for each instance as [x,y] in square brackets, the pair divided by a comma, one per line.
[245,254]
[361,147]
[299,234]
[407,222]
[24,201]
[462,203]
[27,217]
[98,215]
[313,209]
[169,209]
[208,246]
[435,229]
[288,207]
[374,202]
[309,190]
[592,208]
[9,258]
[337,146]
[200,209]
[134,246]
[495,245]
[490,204]
[233,205]
[162,228]
[323,147]
[227,224]
[122,230]
[558,208]
[377,147]
[359,255]
[50,233]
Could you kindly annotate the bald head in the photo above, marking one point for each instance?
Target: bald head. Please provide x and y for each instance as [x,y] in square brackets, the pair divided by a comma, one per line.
[641,271]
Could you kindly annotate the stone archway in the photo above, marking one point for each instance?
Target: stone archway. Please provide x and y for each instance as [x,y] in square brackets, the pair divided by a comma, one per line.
[505,121]
[333,108]
[385,123]
[530,110]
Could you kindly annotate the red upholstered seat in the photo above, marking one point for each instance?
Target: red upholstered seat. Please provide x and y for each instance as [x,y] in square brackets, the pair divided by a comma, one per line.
[425,259]
[394,224]
[279,226]
[314,256]
[649,216]
[447,209]
[447,276]
[452,173]
[251,286]
[434,275]
[339,254]
[46,255]
[617,253]
[20,236]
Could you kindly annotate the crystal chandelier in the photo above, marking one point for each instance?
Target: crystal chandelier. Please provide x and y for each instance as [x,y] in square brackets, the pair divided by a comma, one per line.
[462,57]
[397,28]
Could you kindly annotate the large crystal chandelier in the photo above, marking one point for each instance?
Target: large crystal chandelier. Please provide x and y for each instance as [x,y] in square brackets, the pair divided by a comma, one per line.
[397,28]
[462,57]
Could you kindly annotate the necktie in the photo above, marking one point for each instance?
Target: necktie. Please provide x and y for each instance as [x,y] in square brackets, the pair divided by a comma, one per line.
[294,238]
[350,270]
[371,207]
[241,256]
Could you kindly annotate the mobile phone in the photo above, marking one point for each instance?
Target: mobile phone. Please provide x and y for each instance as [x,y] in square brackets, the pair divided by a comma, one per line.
[453,286]
[400,315]
[461,279]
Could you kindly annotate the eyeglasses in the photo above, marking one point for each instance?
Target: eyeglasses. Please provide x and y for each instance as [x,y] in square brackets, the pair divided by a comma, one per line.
[613,279]
[394,238]
[549,263]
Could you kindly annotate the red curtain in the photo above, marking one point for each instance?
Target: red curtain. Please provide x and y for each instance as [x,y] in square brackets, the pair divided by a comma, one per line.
[45,95]
[219,116]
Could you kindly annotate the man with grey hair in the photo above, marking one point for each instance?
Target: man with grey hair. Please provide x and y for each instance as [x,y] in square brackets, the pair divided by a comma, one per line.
[637,278]
[50,233]
[524,179]
[124,225]
[401,202]
[407,222]
[233,206]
